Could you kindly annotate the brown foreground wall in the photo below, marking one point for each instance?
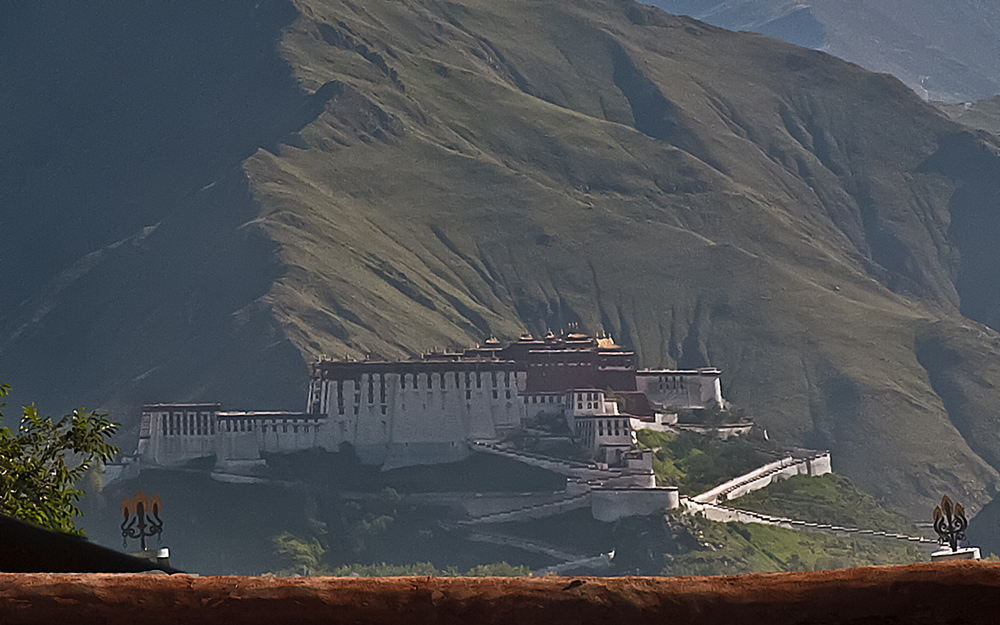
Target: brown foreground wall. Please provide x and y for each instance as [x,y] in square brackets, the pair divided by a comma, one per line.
[959,592]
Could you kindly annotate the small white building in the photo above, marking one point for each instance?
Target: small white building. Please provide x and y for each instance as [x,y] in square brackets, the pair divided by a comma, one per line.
[684,389]
[596,422]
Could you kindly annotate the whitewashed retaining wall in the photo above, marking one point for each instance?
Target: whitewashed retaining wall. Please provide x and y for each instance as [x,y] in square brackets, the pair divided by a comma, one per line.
[817,464]
[611,504]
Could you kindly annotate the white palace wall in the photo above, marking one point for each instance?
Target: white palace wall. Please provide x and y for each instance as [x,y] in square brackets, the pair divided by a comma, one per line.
[172,434]
[399,419]
[176,433]
[404,413]
[388,421]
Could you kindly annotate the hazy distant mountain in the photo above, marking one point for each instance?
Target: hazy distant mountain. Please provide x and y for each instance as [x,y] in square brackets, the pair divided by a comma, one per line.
[946,51]
[198,201]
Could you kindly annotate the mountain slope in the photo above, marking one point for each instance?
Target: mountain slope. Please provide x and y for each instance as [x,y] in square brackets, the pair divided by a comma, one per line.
[444,171]
[981,115]
[943,51]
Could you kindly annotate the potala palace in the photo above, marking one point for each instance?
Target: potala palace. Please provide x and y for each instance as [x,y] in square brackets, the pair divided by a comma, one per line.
[433,409]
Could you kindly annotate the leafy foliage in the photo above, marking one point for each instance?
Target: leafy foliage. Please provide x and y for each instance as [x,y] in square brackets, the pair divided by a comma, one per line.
[36,483]
[389,570]
[299,554]
[497,569]
[713,415]
[694,463]
[361,525]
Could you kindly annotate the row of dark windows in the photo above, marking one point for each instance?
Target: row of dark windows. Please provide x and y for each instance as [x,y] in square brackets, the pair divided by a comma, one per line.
[601,427]
[402,382]
[552,399]
[671,382]
[203,424]
[611,425]
[468,396]
[188,424]
[414,381]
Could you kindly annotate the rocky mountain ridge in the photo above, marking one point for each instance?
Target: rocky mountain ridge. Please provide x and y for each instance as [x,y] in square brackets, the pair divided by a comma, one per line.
[328,178]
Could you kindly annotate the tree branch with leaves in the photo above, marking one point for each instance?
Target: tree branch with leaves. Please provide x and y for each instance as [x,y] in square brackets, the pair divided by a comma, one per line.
[36,483]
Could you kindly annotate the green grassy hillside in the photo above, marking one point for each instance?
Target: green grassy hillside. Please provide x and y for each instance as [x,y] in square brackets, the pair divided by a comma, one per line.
[830,499]
[413,174]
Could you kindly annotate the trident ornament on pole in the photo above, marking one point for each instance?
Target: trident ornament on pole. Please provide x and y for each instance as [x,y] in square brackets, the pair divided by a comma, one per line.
[141,518]
[950,523]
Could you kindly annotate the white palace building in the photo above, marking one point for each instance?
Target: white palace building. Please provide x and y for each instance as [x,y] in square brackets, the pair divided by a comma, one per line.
[429,410]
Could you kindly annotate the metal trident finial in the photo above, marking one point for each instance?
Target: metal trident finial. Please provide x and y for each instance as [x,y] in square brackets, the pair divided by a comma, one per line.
[950,523]
[141,518]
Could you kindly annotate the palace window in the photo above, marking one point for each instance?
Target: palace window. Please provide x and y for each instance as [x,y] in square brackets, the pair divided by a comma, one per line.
[402,380]
[468,395]
[494,393]
[508,394]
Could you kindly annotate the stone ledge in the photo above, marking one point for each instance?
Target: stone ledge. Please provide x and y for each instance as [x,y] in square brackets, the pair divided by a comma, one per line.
[966,592]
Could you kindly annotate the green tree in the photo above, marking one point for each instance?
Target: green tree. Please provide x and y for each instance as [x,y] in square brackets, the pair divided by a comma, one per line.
[36,483]
[299,555]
